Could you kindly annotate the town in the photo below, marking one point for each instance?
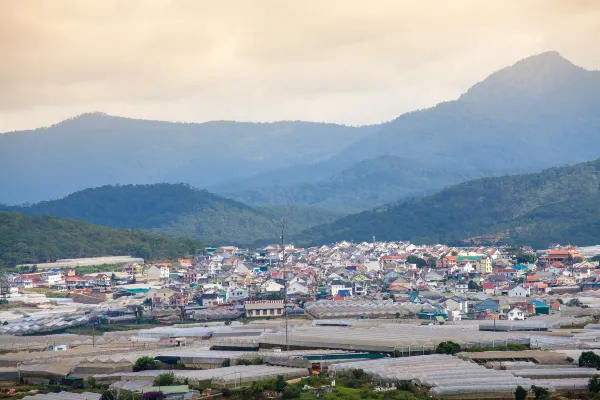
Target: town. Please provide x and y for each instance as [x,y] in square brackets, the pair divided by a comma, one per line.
[519,317]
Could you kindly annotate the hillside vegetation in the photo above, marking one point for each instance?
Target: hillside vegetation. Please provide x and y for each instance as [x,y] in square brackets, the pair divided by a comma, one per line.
[555,205]
[178,210]
[25,239]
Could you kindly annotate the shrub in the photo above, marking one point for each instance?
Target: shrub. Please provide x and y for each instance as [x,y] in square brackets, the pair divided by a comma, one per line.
[521,393]
[226,363]
[144,363]
[90,382]
[447,348]
[594,384]
[540,393]
[165,379]
[589,359]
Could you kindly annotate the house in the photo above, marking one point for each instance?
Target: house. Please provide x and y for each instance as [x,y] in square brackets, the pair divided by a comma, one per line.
[489,288]
[24,282]
[272,287]
[266,308]
[519,291]
[297,287]
[211,299]
[461,286]
[178,300]
[340,288]
[73,281]
[516,314]
[51,277]
[488,305]
[236,294]
[540,307]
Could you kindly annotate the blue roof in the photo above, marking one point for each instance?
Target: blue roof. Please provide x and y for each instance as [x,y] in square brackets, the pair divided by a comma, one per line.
[538,303]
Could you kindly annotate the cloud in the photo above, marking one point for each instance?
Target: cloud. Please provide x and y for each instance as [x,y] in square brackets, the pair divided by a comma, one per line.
[347,61]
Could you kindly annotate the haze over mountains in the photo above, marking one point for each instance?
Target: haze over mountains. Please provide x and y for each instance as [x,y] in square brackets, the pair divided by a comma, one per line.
[520,119]
[541,112]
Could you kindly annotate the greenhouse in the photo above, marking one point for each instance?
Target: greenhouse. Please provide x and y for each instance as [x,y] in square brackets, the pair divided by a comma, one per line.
[404,338]
[361,308]
[236,376]
[450,377]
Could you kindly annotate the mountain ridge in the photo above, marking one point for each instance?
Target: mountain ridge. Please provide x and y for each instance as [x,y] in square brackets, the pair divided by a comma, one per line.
[177,210]
[501,125]
[510,206]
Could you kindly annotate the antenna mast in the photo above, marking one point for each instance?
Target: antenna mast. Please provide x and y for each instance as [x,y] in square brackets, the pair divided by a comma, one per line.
[285,295]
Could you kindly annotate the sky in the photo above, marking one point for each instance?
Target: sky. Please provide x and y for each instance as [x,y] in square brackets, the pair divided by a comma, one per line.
[345,61]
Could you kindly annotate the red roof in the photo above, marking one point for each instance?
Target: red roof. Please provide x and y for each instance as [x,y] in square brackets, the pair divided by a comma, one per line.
[488,286]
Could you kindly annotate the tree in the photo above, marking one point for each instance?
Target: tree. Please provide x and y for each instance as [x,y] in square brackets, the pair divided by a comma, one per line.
[418,261]
[90,382]
[144,363]
[113,278]
[472,285]
[521,393]
[540,393]
[226,363]
[594,384]
[574,302]
[526,258]
[447,348]
[589,359]
[596,258]
[166,379]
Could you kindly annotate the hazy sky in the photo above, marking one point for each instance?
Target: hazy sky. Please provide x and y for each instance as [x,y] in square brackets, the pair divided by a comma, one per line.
[353,62]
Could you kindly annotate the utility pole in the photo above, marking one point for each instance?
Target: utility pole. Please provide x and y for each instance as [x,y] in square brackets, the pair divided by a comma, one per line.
[285,294]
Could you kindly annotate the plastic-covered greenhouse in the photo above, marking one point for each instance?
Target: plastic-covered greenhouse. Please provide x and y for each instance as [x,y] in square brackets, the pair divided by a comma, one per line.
[361,308]
[404,338]
[239,375]
[450,377]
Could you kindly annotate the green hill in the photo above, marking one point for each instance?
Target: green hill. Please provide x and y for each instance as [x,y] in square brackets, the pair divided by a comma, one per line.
[26,239]
[178,210]
[555,205]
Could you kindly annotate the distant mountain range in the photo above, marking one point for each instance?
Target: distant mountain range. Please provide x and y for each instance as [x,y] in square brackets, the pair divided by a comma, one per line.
[179,210]
[556,205]
[39,239]
[363,185]
[539,113]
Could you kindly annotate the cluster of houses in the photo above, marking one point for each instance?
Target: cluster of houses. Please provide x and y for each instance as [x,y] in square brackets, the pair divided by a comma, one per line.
[506,283]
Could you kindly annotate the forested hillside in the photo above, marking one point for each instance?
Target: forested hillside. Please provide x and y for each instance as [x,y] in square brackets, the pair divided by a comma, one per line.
[555,205]
[26,239]
[178,210]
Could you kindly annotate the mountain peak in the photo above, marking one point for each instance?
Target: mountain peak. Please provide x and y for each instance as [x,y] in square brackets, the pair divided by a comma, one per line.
[531,78]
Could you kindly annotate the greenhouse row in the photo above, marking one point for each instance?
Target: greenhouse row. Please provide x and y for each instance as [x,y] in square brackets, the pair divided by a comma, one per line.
[235,376]
[449,377]
[47,324]
[409,339]
[375,308]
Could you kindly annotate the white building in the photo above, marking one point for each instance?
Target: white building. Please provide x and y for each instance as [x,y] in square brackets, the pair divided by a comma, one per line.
[516,314]
[51,277]
[519,291]
[236,294]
